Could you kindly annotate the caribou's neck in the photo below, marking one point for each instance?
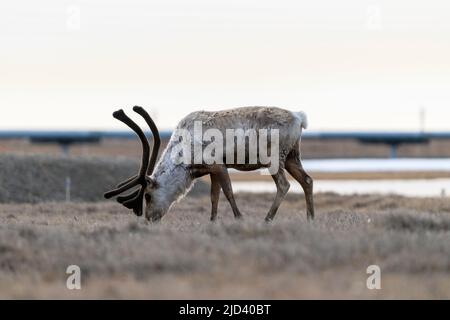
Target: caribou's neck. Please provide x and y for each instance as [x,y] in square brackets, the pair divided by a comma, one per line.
[173,180]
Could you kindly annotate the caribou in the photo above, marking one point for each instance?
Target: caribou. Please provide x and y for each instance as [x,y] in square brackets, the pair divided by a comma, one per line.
[159,184]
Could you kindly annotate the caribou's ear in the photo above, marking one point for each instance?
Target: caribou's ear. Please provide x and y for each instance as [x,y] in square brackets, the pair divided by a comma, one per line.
[151,183]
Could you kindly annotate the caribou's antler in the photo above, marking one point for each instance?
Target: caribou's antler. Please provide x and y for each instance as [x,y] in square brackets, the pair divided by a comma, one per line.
[135,199]
[156,145]
[156,137]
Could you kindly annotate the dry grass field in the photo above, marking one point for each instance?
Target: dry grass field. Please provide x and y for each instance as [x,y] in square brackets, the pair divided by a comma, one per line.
[186,256]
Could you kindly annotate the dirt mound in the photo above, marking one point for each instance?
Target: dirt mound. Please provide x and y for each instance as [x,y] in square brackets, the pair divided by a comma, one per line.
[38,178]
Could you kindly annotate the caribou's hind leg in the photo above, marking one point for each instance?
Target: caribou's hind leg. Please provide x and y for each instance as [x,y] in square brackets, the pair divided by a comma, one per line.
[295,169]
[282,188]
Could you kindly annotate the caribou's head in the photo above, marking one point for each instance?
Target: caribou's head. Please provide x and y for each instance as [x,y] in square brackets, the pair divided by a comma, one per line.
[142,199]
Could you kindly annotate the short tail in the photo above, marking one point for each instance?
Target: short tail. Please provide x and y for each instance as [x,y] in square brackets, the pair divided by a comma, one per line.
[303,119]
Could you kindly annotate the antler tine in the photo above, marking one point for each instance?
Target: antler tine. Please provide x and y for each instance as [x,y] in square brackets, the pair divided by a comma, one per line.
[140,178]
[136,202]
[156,137]
[122,199]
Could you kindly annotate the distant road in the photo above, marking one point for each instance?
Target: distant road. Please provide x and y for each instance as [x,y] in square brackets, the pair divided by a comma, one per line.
[367,136]
[67,138]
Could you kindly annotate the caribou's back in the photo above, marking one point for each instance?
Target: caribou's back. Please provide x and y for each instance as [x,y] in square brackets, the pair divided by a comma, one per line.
[289,124]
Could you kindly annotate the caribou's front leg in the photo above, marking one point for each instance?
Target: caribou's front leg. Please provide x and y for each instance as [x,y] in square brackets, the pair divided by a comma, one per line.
[225,183]
[215,194]
[282,188]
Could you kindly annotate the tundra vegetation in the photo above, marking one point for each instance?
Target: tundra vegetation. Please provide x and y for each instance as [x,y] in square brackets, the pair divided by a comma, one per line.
[186,256]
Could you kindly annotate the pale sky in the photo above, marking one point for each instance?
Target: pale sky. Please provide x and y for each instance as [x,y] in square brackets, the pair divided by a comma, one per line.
[349,64]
